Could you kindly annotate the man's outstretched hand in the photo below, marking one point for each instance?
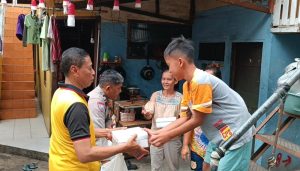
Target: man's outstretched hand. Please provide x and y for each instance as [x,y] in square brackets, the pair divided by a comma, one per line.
[157,138]
[134,149]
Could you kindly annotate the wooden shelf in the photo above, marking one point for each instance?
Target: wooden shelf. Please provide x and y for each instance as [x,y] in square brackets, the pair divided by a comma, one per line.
[140,123]
[110,63]
[137,106]
[131,104]
[282,144]
[268,140]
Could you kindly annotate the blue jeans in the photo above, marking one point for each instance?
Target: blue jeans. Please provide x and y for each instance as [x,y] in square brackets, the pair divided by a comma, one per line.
[196,161]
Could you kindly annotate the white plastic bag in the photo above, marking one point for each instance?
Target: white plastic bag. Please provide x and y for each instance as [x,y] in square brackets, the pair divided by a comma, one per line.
[122,136]
[116,164]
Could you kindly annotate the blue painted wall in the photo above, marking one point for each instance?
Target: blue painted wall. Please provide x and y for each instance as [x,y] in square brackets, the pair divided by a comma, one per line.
[234,24]
[114,41]
[285,48]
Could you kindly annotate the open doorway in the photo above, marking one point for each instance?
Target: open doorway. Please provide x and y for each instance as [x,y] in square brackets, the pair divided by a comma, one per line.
[84,35]
[245,72]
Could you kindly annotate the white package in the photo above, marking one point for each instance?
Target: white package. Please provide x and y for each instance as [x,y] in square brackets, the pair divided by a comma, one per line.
[117,163]
[163,122]
[122,136]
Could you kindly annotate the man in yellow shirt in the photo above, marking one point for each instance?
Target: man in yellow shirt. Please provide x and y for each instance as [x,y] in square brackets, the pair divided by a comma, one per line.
[72,143]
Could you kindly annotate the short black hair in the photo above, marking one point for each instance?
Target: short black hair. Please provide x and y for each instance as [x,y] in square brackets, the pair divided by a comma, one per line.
[72,56]
[181,45]
[215,68]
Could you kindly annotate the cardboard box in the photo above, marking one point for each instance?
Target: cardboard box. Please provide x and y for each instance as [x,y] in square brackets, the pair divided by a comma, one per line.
[122,136]
[163,122]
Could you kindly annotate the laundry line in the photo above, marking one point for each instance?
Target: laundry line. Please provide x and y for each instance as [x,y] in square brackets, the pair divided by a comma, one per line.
[25,6]
[56,9]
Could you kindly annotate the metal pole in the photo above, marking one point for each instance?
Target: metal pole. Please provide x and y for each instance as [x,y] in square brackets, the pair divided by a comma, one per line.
[272,159]
[279,93]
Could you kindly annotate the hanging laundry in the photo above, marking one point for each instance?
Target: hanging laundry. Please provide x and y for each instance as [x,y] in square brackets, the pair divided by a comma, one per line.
[20,26]
[50,36]
[33,29]
[50,31]
[138,4]
[24,38]
[14,2]
[65,6]
[42,4]
[2,25]
[45,44]
[71,15]
[90,5]
[1,44]
[53,34]
[116,5]
[33,5]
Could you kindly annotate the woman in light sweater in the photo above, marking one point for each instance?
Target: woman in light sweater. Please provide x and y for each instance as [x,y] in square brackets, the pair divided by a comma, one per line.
[164,104]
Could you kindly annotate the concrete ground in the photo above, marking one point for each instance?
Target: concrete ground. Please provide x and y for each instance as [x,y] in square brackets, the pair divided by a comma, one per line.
[144,165]
[9,162]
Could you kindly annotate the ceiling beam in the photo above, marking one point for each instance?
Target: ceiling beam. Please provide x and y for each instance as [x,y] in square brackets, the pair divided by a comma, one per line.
[247,4]
[20,1]
[111,2]
[49,3]
[150,14]
[80,4]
